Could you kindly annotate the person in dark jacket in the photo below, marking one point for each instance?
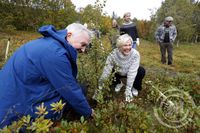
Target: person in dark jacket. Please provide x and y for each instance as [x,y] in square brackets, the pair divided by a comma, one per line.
[129,27]
[44,71]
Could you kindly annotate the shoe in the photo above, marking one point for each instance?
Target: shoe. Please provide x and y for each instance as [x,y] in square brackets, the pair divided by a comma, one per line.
[169,63]
[118,87]
[163,62]
[134,92]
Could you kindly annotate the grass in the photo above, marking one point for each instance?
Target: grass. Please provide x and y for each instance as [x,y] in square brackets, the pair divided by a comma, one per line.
[186,57]
[16,40]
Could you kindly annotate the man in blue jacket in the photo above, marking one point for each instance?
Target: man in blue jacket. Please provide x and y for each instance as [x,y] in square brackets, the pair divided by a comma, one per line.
[44,71]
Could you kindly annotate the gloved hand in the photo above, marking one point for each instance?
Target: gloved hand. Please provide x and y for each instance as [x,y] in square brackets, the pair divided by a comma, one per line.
[128,95]
[138,41]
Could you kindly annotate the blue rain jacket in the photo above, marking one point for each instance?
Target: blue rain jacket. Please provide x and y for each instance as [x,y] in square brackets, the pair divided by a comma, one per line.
[42,70]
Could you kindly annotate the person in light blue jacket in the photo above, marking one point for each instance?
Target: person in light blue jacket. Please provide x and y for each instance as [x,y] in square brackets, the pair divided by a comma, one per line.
[165,35]
[44,71]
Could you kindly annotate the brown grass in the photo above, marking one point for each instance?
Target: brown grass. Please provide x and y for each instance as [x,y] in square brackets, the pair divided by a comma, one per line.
[186,57]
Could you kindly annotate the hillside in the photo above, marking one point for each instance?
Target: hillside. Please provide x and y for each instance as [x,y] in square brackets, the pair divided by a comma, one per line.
[150,111]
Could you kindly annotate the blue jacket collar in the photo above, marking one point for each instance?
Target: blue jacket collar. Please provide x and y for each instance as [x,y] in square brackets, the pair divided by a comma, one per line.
[50,31]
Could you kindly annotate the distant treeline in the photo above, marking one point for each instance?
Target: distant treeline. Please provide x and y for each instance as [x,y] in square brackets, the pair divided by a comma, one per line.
[28,15]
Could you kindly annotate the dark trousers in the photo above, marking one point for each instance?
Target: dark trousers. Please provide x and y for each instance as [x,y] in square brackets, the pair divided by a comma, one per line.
[138,80]
[169,48]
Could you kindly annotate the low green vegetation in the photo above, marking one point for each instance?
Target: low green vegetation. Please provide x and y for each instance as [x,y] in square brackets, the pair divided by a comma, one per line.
[168,102]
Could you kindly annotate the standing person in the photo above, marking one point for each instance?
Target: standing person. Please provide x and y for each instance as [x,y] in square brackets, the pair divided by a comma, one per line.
[114,33]
[129,27]
[165,36]
[125,62]
[44,71]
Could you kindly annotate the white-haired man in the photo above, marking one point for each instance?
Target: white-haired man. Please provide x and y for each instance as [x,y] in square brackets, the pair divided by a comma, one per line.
[44,71]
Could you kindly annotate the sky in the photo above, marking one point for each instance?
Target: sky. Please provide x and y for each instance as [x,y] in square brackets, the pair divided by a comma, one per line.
[140,9]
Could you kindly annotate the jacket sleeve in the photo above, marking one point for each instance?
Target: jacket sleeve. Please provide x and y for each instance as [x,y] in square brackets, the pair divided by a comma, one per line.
[136,32]
[174,33]
[158,34]
[58,71]
[131,75]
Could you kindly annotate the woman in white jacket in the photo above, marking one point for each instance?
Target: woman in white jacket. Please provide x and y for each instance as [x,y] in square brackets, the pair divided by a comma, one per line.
[125,62]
